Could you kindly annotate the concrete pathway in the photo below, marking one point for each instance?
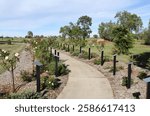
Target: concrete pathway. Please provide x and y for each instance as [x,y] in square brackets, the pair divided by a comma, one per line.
[85,82]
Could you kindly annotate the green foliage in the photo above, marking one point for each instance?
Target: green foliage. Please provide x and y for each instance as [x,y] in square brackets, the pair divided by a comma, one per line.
[105,30]
[26,76]
[75,53]
[129,21]
[97,61]
[125,81]
[62,69]
[26,95]
[49,83]
[123,40]
[85,22]
[142,75]
[9,42]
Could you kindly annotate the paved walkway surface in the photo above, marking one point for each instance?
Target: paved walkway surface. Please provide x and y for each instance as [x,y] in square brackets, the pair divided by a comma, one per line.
[85,82]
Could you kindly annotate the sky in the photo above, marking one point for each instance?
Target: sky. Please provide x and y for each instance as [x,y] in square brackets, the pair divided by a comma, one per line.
[45,17]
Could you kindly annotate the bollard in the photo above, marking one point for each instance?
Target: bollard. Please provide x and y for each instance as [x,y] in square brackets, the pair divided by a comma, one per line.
[58,55]
[89,53]
[55,52]
[147,80]
[38,65]
[129,76]
[114,65]
[73,48]
[56,66]
[80,49]
[68,48]
[102,58]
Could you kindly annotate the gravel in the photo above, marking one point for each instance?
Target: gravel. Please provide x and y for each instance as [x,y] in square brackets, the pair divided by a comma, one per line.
[25,63]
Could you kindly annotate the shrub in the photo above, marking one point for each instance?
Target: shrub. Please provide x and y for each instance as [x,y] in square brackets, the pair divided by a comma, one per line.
[142,75]
[62,69]
[76,53]
[97,61]
[107,58]
[49,83]
[125,81]
[26,76]
[26,95]
[9,42]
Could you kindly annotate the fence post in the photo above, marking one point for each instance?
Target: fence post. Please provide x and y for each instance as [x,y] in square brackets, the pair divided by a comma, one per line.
[55,52]
[129,76]
[89,53]
[114,64]
[56,66]
[102,58]
[80,49]
[38,66]
[58,55]
[73,48]
[147,80]
[68,48]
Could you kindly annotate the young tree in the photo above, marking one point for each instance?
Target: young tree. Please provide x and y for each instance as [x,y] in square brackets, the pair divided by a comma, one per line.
[122,39]
[85,22]
[10,64]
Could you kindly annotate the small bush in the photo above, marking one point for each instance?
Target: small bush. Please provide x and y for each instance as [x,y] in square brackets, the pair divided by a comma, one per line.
[75,53]
[97,61]
[49,83]
[26,76]
[107,58]
[118,68]
[9,42]
[62,69]
[125,81]
[142,75]
[26,95]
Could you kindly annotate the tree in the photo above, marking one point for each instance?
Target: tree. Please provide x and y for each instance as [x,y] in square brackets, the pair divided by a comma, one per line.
[29,34]
[95,36]
[65,31]
[122,39]
[146,35]
[85,22]
[129,21]
[105,30]
[9,63]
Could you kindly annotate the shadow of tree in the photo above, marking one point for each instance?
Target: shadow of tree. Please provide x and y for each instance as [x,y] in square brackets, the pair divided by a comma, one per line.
[141,60]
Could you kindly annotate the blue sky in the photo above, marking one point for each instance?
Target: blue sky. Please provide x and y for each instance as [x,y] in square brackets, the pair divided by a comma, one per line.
[45,17]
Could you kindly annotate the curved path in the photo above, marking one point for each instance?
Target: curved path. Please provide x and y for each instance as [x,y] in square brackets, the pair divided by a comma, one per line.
[85,82]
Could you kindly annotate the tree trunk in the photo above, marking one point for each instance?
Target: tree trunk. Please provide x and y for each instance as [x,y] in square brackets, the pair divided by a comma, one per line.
[13,78]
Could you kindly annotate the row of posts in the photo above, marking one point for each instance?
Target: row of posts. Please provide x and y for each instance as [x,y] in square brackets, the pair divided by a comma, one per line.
[39,65]
[56,56]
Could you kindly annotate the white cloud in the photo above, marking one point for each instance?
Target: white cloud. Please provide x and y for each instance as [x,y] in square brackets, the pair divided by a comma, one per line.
[35,14]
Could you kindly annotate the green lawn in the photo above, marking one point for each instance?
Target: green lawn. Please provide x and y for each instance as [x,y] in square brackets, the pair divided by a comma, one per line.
[12,49]
[137,49]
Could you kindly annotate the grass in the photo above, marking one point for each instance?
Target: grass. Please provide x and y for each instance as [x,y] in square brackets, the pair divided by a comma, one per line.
[12,49]
[137,49]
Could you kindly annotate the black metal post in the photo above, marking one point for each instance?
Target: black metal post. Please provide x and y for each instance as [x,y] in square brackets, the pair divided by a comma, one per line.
[55,52]
[129,76]
[68,48]
[58,55]
[38,78]
[148,91]
[73,48]
[102,58]
[80,49]
[114,65]
[56,66]
[89,53]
